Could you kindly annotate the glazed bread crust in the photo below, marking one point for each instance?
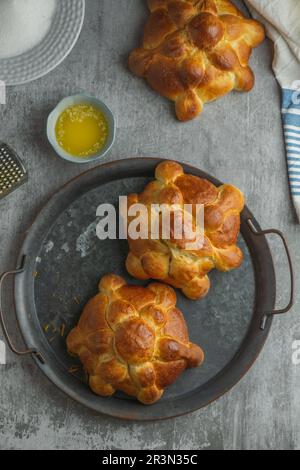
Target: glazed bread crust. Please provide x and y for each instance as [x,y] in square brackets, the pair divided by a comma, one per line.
[133,339]
[195,51]
[172,260]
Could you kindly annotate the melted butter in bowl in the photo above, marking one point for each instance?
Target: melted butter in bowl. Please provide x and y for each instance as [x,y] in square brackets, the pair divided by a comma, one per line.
[81,129]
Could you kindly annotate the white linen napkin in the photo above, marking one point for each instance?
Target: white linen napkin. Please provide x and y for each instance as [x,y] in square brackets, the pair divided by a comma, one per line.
[282,21]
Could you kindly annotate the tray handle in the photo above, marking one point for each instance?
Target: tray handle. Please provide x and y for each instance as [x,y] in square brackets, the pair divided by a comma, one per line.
[3,278]
[291,301]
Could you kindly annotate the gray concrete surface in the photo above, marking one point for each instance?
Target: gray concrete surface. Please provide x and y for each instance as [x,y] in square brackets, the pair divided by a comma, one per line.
[237,139]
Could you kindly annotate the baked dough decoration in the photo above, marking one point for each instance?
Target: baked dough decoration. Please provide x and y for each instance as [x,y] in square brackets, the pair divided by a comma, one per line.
[195,51]
[171,260]
[133,339]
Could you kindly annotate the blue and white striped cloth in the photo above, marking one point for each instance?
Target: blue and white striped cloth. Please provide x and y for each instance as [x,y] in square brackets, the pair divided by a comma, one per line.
[291,124]
[282,21]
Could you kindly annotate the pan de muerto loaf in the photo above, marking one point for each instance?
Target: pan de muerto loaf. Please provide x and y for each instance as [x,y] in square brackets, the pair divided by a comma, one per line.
[173,260]
[196,51]
[133,339]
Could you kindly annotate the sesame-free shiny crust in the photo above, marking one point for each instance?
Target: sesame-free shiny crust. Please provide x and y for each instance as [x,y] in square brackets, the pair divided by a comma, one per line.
[172,261]
[195,51]
[133,339]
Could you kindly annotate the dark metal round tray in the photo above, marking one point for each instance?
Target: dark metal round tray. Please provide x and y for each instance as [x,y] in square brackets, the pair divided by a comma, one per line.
[62,261]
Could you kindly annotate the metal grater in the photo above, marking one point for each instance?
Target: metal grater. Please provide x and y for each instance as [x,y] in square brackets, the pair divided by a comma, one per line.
[12,171]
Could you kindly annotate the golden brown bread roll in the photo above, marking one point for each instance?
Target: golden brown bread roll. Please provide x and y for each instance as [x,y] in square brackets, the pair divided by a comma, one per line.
[196,51]
[133,339]
[171,260]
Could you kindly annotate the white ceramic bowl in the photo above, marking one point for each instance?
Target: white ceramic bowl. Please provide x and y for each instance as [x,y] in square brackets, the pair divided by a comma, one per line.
[60,108]
[54,48]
